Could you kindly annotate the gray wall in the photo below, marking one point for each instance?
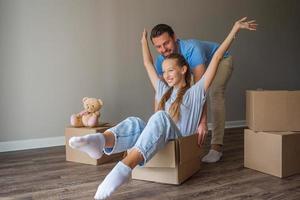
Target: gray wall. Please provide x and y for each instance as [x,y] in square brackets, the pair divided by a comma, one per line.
[53,53]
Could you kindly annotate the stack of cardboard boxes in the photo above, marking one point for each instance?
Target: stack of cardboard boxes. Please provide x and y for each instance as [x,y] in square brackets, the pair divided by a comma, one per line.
[272,142]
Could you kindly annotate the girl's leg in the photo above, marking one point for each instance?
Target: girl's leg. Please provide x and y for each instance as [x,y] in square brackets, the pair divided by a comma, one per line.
[116,139]
[133,158]
[158,131]
[124,135]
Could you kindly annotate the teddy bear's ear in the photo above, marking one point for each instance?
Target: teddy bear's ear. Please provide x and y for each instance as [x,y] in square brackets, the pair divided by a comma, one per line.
[101,102]
[84,99]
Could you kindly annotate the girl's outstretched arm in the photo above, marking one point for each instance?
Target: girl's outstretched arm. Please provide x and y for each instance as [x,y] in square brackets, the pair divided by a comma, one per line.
[218,56]
[148,60]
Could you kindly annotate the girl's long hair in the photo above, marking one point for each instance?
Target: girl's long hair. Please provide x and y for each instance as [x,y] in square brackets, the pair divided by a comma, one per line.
[174,109]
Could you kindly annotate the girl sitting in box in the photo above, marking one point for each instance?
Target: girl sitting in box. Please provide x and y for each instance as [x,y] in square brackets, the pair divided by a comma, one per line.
[177,115]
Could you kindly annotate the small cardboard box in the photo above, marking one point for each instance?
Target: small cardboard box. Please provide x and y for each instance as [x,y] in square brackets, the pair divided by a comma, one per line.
[273,110]
[275,153]
[75,155]
[175,163]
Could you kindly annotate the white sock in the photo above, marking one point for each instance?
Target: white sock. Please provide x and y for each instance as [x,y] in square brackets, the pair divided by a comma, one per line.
[119,175]
[212,156]
[92,144]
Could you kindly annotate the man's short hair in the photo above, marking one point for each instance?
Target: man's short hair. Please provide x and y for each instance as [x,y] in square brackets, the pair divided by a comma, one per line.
[160,29]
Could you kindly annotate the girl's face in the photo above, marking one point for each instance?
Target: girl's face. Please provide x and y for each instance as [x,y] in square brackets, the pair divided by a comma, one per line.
[173,74]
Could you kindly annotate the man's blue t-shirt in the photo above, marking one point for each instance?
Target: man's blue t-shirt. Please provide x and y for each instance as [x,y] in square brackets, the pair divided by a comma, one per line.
[195,52]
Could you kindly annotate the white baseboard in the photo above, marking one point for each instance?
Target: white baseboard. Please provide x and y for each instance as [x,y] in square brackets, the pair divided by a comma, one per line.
[31,143]
[235,124]
[60,141]
[231,124]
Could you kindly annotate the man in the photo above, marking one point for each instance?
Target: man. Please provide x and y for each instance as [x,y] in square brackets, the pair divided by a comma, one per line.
[198,54]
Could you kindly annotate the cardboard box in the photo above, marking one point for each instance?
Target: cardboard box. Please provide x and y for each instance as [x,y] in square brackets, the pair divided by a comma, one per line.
[275,153]
[75,155]
[178,161]
[273,110]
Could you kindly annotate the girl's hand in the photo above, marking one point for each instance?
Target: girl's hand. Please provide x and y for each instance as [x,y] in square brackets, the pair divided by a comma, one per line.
[144,36]
[243,24]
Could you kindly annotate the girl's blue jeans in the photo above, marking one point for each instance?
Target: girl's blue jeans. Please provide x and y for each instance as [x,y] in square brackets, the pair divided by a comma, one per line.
[146,138]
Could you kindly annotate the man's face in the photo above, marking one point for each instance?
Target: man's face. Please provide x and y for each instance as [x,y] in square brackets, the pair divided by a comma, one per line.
[165,44]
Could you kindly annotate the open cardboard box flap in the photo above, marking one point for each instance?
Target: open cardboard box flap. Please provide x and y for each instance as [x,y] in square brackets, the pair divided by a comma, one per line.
[166,157]
[176,152]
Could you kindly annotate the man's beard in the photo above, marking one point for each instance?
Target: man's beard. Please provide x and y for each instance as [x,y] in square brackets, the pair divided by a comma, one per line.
[171,52]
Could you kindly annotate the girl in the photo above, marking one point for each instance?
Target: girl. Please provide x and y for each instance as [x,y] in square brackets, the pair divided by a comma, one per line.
[177,115]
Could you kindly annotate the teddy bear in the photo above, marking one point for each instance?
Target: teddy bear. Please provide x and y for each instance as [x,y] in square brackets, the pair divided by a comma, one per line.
[89,117]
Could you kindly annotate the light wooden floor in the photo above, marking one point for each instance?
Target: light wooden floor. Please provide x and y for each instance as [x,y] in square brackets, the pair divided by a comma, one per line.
[44,174]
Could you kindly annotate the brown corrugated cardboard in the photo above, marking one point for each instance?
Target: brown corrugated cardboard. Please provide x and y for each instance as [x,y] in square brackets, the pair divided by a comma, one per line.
[75,155]
[294,110]
[178,161]
[275,153]
[273,110]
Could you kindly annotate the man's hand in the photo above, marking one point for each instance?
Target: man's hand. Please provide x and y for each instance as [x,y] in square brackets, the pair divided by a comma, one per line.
[243,24]
[202,132]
